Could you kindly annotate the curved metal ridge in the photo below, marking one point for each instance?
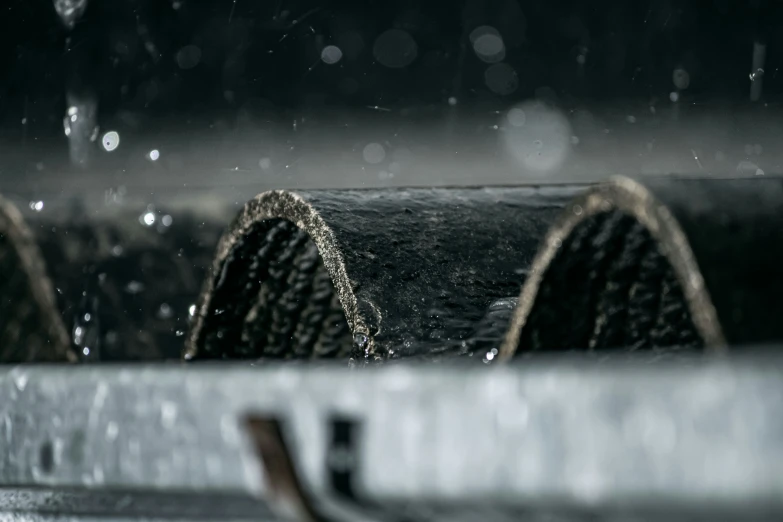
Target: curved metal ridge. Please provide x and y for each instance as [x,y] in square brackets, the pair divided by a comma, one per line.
[30,326]
[721,238]
[415,270]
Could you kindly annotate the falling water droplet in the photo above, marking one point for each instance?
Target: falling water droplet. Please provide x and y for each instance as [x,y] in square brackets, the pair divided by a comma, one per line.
[360,340]
[79,125]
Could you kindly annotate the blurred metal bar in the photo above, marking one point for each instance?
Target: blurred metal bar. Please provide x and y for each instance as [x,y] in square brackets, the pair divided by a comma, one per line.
[582,439]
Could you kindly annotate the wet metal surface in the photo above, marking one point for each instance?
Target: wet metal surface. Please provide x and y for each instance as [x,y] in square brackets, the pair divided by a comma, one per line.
[600,439]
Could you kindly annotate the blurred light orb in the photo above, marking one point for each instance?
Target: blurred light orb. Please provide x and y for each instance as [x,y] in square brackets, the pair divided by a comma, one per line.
[265,163]
[541,142]
[488,44]
[188,57]
[110,141]
[681,79]
[501,79]
[516,117]
[374,153]
[331,54]
[395,49]
[154,155]
[148,218]
[674,96]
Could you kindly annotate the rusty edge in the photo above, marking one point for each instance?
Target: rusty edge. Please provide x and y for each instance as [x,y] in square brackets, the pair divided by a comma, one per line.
[286,493]
[23,242]
[631,197]
[281,204]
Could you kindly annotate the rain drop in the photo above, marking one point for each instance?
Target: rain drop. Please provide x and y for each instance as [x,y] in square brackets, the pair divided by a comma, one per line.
[501,79]
[516,117]
[148,219]
[374,153]
[488,44]
[543,143]
[681,79]
[331,54]
[395,49]
[110,141]
[188,57]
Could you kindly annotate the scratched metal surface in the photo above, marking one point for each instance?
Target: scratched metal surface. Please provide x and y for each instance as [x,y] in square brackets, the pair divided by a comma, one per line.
[576,435]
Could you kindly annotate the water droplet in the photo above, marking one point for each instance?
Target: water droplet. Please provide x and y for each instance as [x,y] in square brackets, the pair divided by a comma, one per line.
[188,57]
[360,340]
[112,431]
[147,219]
[681,79]
[374,153]
[165,311]
[543,143]
[516,117]
[577,209]
[331,54]
[488,44]
[265,163]
[395,49]
[110,141]
[452,101]
[674,96]
[134,287]
[501,79]
[167,220]
[168,414]
[78,335]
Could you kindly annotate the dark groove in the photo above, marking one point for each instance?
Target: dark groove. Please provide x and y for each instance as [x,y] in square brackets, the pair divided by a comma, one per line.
[609,287]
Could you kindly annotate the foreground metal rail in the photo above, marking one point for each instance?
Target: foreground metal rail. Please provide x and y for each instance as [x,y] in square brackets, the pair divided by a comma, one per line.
[572,439]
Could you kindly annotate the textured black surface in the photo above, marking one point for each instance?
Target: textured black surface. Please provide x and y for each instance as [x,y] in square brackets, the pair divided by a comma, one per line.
[423,267]
[273,298]
[667,263]
[614,288]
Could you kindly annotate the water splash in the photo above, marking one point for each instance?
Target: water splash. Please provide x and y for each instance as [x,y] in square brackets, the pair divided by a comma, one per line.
[70,11]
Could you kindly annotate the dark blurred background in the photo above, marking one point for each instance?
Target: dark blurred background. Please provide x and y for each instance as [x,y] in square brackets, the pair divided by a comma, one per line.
[241,95]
